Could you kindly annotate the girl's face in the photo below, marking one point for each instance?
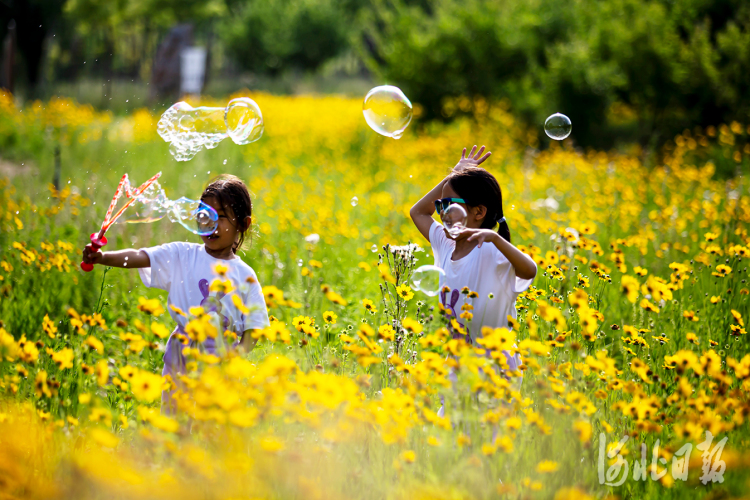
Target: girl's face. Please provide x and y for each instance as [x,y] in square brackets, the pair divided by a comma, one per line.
[475,215]
[227,230]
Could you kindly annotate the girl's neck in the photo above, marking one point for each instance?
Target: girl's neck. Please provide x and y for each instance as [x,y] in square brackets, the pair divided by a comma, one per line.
[222,254]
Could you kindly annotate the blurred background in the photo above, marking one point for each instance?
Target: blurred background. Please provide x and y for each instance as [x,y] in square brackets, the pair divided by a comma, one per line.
[625,71]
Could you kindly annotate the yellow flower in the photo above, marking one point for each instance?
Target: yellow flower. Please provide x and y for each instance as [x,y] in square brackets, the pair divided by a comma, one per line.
[41,388]
[64,358]
[387,333]
[368,304]
[159,330]
[237,301]
[412,325]
[95,344]
[49,327]
[404,291]
[221,269]
[150,306]
[271,444]
[330,317]
[547,466]
[102,372]
[146,386]
[408,456]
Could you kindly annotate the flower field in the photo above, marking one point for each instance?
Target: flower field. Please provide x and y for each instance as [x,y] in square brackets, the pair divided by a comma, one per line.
[634,326]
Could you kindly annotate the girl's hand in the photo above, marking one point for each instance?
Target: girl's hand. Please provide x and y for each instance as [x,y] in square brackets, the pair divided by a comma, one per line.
[91,256]
[475,234]
[473,160]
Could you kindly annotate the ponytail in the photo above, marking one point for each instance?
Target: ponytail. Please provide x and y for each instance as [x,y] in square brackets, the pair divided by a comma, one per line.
[503,229]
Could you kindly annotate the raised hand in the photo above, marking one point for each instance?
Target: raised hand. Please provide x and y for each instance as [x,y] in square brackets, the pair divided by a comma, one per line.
[474,159]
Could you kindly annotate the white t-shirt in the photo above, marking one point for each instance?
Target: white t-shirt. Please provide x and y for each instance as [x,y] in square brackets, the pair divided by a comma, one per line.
[484,270]
[186,272]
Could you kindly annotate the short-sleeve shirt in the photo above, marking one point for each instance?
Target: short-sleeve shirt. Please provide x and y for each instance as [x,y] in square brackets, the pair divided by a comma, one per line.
[485,271]
[186,272]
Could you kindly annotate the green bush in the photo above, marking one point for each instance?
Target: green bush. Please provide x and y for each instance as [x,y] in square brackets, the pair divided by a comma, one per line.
[621,69]
[269,36]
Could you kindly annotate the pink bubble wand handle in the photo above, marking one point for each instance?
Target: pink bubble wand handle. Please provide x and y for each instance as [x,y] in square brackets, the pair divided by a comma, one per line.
[97,241]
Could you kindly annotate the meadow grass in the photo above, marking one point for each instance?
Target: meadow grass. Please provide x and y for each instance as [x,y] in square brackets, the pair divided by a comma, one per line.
[634,324]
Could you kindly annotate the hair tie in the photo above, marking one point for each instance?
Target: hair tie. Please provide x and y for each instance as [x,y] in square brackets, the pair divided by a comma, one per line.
[501,220]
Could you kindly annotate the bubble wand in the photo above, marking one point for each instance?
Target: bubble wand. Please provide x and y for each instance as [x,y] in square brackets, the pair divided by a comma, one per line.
[99,240]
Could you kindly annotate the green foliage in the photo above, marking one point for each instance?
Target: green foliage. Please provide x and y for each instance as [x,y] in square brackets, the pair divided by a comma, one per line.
[631,69]
[268,36]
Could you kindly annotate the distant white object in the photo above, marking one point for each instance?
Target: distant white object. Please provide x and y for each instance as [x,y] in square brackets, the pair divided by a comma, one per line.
[192,70]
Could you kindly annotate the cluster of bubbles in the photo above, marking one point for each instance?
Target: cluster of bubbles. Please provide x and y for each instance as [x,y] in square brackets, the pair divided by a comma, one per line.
[188,129]
[153,205]
[387,111]
[454,219]
[558,126]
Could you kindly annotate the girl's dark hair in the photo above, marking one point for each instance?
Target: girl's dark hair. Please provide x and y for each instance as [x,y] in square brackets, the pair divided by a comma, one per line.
[231,193]
[479,187]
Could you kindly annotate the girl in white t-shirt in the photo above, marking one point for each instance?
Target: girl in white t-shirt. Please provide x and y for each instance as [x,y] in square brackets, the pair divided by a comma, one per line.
[186,271]
[479,259]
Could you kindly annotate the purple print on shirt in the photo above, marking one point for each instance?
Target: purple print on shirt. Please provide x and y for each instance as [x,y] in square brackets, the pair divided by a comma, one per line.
[451,308]
[210,305]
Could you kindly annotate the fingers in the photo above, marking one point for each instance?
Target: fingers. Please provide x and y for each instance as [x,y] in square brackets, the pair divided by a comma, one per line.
[481,160]
[479,153]
[472,151]
[463,154]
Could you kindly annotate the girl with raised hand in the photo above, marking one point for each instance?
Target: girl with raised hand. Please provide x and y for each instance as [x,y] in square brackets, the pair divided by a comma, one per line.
[187,270]
[480,258]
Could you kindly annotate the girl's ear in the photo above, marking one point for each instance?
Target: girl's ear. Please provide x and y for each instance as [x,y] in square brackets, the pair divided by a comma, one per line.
[247,223]
[480,212]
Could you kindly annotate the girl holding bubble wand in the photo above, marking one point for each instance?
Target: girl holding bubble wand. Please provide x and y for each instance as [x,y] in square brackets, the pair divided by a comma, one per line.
[187,270]
[473,255]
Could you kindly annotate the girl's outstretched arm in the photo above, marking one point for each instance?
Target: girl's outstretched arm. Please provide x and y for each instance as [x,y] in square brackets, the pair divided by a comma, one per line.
[118,258]
[421,212]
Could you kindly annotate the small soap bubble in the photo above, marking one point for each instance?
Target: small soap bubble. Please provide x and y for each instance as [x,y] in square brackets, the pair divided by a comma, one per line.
[244,120]
[427,279]
[299,262]
[387,111]
[454,219]
[225,162]
[195,216]
[355,200]
[558,127]
[374,248]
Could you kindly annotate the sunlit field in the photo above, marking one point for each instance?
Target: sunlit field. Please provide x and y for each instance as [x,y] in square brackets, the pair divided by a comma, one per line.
[634,325]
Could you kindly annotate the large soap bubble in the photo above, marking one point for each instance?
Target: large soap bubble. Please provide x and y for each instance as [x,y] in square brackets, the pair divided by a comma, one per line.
[387,111]
[153,204]
[188,129]
[454,219]
[558,127]
[427,279]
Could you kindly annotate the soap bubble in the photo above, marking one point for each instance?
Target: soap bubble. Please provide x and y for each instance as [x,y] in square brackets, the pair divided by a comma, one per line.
[374,248]
[427,279]
[149,206]
[195,216]
[558,127]
[244,120]
[387,111]
[188,129]
[153,204]
[454,219]
[355,200]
